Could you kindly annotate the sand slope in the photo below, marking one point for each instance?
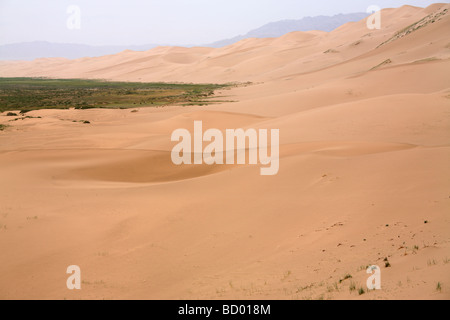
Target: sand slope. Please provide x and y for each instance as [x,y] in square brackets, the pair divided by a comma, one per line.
[365,148]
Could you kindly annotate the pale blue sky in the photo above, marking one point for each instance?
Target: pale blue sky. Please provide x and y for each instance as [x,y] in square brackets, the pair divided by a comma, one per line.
[128,22]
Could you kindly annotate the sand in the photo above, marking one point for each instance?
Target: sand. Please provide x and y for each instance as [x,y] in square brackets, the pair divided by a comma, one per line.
[364,174]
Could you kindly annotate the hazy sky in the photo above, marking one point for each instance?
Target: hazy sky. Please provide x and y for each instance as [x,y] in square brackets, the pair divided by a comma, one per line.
[128,22]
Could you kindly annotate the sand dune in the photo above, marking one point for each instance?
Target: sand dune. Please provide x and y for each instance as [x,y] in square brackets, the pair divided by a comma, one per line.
[364,152]
[256,59]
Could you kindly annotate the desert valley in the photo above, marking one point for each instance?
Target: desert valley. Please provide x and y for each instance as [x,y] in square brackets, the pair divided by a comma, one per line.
[364,178]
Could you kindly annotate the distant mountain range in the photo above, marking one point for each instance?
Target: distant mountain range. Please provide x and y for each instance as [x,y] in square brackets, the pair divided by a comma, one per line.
[279,28]
[43,49]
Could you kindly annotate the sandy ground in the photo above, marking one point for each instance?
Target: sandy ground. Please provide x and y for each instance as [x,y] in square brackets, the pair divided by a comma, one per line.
[364,174]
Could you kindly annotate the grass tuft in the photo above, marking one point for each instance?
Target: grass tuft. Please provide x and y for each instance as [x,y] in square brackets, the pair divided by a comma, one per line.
[346,277]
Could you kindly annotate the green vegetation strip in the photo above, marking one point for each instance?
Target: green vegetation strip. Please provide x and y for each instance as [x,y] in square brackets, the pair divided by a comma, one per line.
[26,94]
